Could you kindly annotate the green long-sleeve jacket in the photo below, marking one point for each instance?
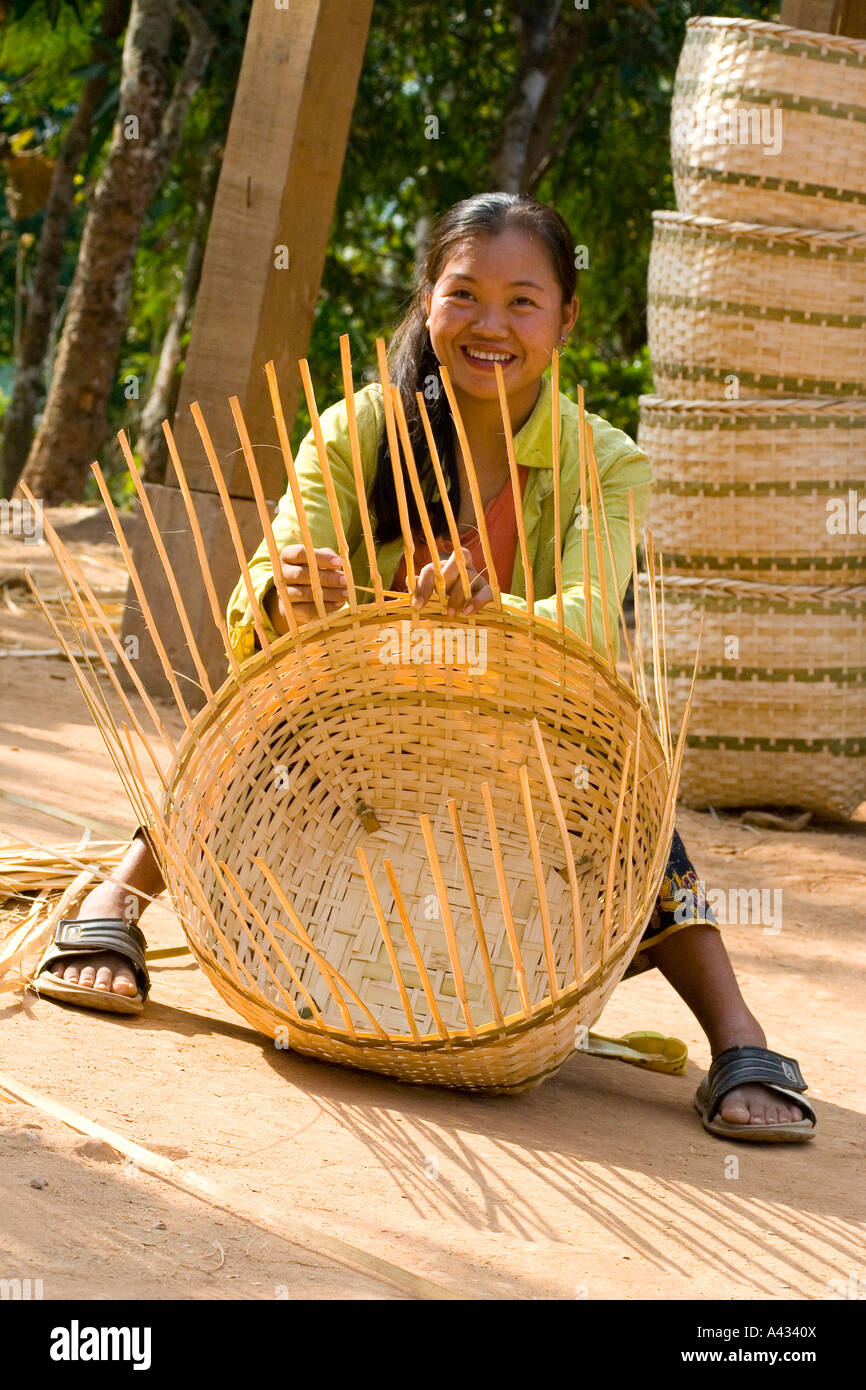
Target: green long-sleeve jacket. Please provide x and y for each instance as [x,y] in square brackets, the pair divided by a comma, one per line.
[622,467]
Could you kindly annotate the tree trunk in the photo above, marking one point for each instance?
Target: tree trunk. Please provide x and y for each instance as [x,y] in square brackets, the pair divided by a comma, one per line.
[537,22]
[42,298]
[551,40]
[162,398]
[146,134]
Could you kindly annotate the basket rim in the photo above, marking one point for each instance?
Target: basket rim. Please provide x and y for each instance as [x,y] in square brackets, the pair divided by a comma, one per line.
[755,405]
[812,38]
[724,228]
[756,588]
[536,628]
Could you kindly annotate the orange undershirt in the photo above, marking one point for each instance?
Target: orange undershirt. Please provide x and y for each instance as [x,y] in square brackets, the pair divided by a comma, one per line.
[501,523]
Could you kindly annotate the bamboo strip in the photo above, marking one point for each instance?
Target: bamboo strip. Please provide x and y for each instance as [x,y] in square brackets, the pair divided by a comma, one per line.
[76,581]
[134,575]
[660,702]
[302,936]
[263,927]
[394,451]
[261,506]
[643,691]
[295,487]
[447,922]
[557,489]
[389,944]
[614,848]
[629,876]
[418,958]
[474,489]
[584,518]
[166,565]
[418,492]
[570,867]
[619,608]
[234,530]
[519,970]
[358,469]
[483,953]
[330,975]
[297,1232]
[599,556]
[451,520]
[328,480]
[529,582]
[216,610]
[549,954]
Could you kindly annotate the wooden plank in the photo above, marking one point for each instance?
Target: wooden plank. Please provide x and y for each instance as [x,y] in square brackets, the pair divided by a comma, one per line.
[827,16]
[277,188]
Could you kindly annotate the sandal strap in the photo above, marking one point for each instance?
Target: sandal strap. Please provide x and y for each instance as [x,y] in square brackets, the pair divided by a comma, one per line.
[738,1065]
[74,937]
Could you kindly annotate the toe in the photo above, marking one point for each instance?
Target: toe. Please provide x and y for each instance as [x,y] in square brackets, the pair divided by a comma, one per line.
[124,982]
[69,974]
[103,978]
[734,1110]
[88,975]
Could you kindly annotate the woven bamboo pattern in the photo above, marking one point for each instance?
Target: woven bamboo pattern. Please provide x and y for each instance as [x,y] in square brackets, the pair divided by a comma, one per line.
[768,124]
[425,866]
[737,308]
[779,712]
[766,490]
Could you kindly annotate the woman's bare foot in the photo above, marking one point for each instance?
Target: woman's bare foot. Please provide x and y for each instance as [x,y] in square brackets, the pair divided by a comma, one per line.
[118,897]
[696,963]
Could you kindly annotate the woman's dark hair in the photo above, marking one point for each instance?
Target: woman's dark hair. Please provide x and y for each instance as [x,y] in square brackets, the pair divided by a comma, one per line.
[413,365]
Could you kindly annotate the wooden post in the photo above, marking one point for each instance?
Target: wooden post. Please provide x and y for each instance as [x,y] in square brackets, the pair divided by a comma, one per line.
[260,281]
[827,16]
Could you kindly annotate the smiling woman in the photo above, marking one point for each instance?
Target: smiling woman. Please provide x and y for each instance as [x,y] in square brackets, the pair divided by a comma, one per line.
[498,283]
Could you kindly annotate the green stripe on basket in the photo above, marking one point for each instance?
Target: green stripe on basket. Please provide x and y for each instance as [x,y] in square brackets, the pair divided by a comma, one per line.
[793,385]
[775,45]
[780,489]
[719,603]
[854,675]
[787,563]
[786,101]
[840,747]
[708,419]
[818,250]
[825,191]
[732,309]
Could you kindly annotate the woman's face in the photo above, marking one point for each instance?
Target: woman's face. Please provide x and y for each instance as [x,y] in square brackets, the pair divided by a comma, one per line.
[498,296]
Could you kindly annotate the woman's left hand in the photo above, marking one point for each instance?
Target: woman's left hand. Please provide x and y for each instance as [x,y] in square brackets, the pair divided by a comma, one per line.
[481,592]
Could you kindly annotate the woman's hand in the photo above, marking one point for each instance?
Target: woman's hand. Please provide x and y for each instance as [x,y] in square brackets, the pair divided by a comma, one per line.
[299,587]
[480,590]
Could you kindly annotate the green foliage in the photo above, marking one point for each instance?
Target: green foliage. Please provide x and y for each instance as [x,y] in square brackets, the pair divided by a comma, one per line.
[456,63]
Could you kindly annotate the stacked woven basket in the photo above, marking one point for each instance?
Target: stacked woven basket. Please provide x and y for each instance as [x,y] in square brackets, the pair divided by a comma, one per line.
[757,330]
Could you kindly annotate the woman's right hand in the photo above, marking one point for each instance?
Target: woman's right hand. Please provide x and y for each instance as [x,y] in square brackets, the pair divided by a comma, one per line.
[299,587]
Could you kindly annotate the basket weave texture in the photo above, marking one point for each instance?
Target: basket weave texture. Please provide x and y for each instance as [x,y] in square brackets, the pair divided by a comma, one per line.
[765,310]
[779,712]
[764,490]
[382,853]
[768,124]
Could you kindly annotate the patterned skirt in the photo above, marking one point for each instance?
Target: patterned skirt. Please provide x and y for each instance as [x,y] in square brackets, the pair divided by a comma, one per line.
[681,903]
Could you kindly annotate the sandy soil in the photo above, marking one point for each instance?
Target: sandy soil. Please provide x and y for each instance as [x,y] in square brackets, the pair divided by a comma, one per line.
[602,1184]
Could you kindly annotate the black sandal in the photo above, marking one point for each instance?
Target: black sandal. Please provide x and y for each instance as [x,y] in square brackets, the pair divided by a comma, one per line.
[738,1065]
[92,935]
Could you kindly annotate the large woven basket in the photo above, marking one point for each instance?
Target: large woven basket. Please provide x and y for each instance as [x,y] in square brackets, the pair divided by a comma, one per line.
[779,712]
[768,124]
[764,489]
[739,310]
[387,852]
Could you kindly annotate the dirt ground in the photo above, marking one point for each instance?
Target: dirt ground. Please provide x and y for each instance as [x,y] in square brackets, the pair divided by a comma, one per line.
[601,1184]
